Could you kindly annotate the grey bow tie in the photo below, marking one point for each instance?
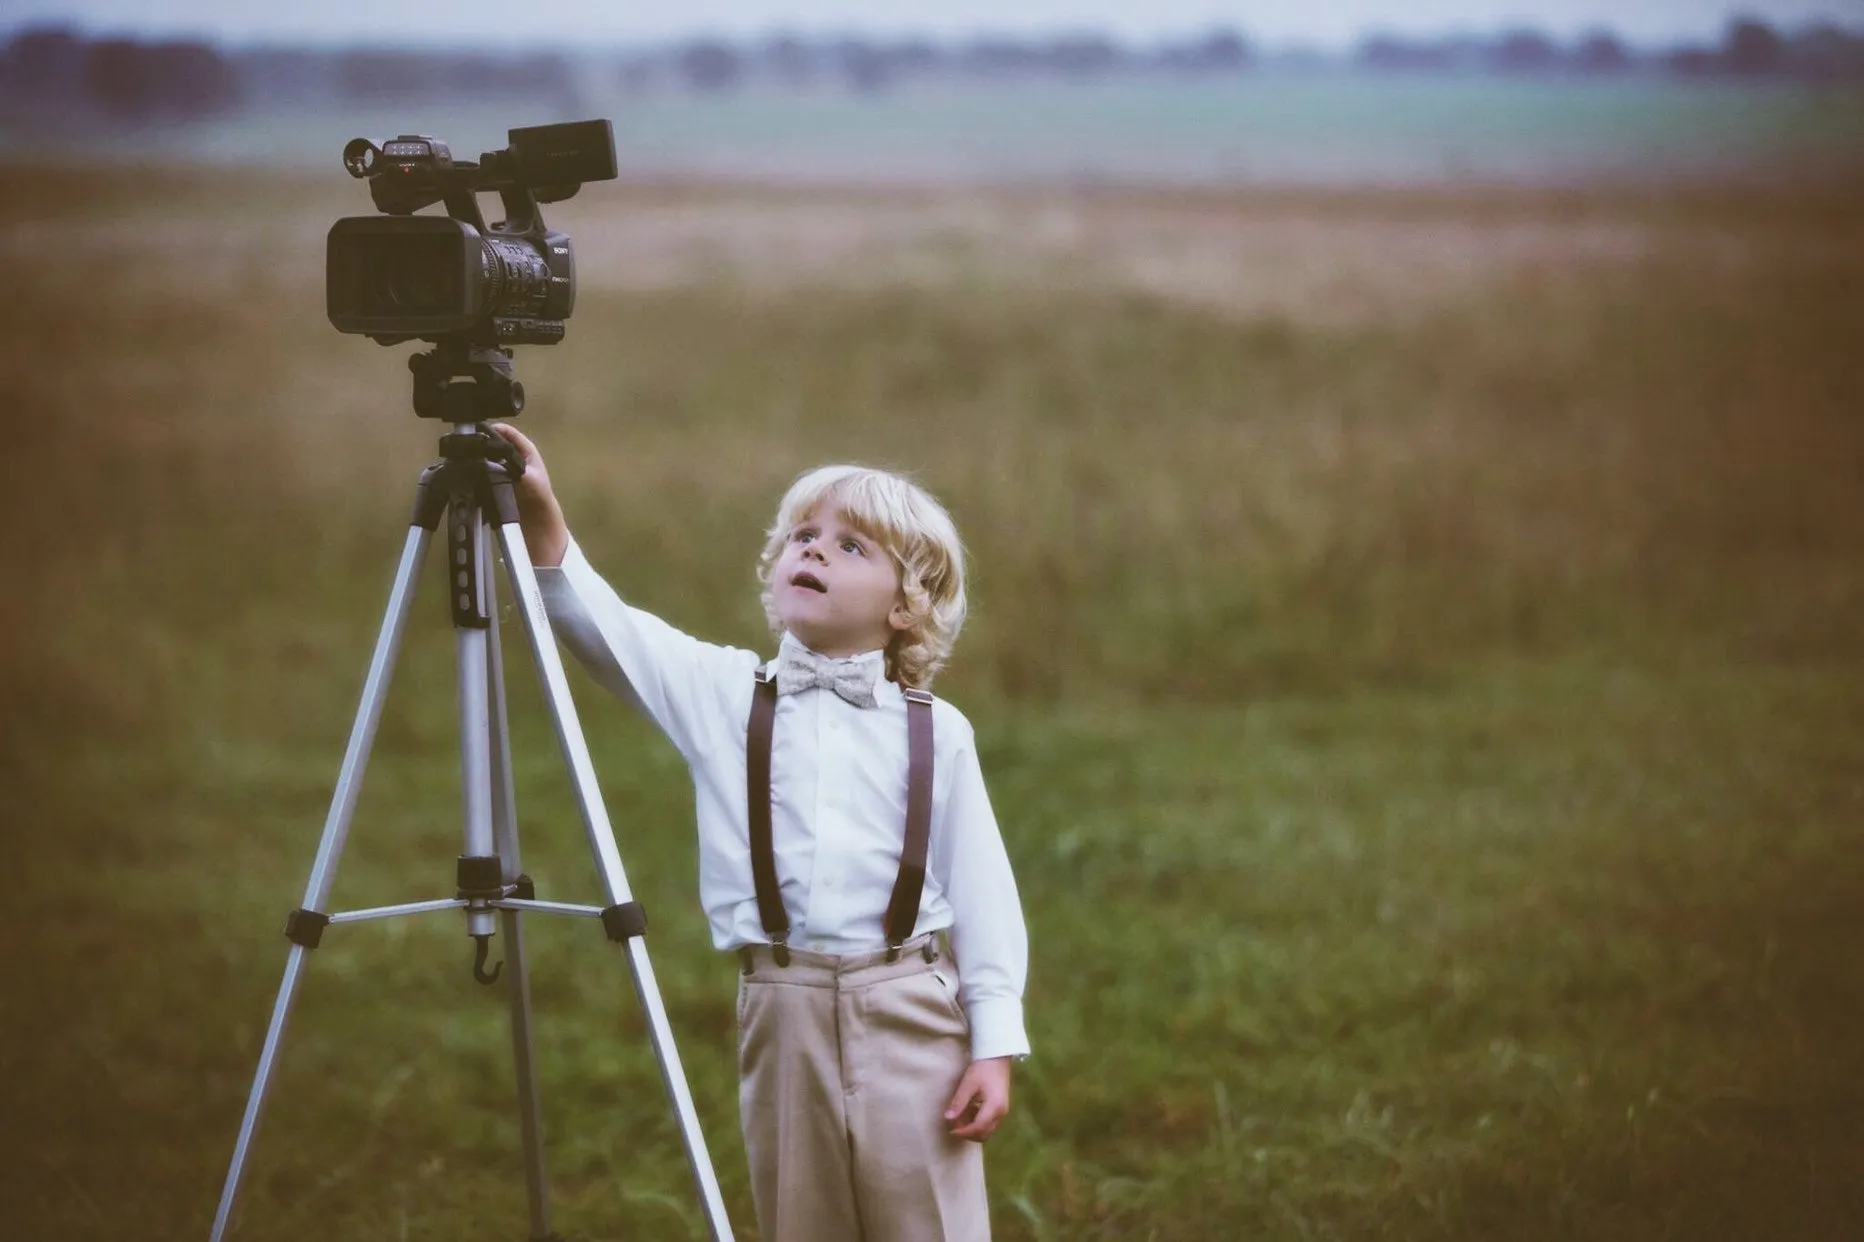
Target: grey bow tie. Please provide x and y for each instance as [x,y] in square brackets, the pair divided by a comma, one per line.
[852,679]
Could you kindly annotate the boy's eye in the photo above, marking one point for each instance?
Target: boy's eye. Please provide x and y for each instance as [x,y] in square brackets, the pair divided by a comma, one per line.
[801,534]
[853,547]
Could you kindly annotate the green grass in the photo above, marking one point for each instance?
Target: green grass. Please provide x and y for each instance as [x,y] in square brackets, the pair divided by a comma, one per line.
[1428,738]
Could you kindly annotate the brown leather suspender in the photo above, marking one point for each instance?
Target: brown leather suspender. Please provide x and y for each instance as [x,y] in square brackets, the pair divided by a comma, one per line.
[757,792]
[903,907]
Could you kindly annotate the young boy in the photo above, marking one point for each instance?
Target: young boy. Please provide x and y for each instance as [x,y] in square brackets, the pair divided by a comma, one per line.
[880,993]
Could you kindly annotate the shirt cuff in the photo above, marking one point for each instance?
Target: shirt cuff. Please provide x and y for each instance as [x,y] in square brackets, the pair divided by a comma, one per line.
[997,1029]
[553,581]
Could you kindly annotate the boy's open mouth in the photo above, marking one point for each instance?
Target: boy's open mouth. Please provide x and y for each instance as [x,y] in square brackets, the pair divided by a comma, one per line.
[809,580]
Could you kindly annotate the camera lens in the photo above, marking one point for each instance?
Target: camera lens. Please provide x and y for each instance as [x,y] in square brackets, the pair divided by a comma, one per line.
[411,276]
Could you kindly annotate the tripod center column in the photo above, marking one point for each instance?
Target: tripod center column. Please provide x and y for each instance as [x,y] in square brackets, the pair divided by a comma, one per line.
[469,585]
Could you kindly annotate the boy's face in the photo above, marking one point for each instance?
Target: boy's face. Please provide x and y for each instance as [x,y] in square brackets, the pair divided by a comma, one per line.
[836,589]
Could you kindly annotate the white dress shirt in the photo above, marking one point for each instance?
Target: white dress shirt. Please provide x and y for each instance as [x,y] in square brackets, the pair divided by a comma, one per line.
[837,801]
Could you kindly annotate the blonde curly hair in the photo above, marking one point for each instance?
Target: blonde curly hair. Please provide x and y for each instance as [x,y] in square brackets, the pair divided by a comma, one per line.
[916,532]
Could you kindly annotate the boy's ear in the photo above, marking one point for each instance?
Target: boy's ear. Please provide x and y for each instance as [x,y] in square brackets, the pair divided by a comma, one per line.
[901,618]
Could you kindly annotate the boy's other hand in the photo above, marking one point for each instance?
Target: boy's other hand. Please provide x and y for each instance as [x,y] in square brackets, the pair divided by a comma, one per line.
[981,1101]
[546,534]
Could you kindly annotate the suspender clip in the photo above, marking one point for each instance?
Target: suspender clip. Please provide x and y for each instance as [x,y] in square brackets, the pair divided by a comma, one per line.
[780,949]
[928,950]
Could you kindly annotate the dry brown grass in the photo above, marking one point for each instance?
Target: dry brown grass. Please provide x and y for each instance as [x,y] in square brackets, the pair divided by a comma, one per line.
[1255,436]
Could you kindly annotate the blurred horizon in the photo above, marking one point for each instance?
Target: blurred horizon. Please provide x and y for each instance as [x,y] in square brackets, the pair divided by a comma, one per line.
[1335,26]
[1209,108]
[1270,37]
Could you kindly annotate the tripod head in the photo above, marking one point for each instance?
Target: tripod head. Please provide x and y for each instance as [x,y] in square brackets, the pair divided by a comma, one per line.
[469,385]
[458,381]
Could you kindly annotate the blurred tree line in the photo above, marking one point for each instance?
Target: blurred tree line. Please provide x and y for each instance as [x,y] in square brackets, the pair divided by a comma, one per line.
[54,71]
[58,73]
[1749,47]
[61,73]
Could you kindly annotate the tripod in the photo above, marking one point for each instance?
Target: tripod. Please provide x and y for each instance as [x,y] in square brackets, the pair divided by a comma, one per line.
[471,488]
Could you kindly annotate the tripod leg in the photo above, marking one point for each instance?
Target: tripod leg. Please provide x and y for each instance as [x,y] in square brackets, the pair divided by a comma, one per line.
[329,850]
[608,861]
[505,834]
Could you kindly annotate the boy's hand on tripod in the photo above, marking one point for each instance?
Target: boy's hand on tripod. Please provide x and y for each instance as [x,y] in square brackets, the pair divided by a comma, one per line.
[546,534]
[981,1101]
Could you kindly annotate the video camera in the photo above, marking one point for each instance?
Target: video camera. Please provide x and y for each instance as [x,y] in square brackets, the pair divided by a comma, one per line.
[452,279]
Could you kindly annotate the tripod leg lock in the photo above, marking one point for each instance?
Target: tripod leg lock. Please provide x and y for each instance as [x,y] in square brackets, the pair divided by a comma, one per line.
[624,921]
[306,927]
[480,876]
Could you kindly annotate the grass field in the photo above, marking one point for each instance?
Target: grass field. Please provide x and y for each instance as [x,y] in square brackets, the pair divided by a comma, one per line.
[1416,661]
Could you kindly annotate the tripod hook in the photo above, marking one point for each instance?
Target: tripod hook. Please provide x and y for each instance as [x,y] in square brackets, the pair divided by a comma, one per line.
[479,972]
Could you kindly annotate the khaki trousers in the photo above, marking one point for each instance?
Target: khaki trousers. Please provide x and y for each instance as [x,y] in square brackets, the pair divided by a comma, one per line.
[845,1066]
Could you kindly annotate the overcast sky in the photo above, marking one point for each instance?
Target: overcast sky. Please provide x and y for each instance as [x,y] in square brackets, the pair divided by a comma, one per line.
[528,22]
